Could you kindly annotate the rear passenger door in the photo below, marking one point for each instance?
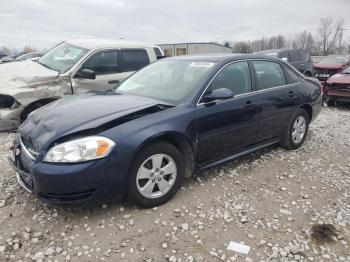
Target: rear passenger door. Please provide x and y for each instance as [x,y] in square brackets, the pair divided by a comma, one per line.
[277,97]
[132,60]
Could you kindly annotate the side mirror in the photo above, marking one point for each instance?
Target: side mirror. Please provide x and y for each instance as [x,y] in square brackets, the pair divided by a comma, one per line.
[86,73]
[218,94]
[284,59]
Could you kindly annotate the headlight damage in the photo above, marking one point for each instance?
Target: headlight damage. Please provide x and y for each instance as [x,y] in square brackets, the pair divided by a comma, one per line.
[80,150]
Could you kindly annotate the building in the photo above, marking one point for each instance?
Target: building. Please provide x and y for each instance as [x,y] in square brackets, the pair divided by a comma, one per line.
[194,48]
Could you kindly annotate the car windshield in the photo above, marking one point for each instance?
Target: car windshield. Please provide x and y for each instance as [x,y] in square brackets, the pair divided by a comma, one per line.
[347,70]
[172,81]
[333,60]
[62,57]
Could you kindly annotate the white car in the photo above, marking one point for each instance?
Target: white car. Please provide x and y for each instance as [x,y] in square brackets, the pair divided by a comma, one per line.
[70,67]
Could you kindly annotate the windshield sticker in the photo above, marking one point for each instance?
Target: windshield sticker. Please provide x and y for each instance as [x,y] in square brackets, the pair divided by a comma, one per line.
[202,64]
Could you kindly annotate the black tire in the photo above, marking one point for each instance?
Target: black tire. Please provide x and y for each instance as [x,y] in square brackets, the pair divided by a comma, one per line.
[157,148]
[331,102]
[30,109]
[287,141]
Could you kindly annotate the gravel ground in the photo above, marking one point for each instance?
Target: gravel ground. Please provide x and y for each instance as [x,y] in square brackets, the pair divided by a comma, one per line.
[273,201]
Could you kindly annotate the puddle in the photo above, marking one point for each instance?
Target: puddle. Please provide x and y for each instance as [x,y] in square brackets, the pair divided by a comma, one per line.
[323,233]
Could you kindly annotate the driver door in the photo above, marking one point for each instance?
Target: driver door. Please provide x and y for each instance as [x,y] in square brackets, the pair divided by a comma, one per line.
[228,126]
[105,65]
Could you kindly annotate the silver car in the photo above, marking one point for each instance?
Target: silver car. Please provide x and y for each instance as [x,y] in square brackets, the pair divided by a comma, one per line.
[71,67]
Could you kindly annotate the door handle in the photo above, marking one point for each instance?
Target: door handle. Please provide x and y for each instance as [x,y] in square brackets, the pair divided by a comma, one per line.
[249,104]
[113,81]
[291,94]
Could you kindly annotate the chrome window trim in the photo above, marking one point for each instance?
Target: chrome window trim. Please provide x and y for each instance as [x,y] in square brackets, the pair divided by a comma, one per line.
[245,94]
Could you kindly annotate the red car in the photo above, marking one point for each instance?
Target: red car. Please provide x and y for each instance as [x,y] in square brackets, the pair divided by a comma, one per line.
[337,88]
[330,65]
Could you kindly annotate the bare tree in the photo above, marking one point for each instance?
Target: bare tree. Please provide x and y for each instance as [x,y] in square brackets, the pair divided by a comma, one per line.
[242,47]
[226,43]
[304,40]
[330,33]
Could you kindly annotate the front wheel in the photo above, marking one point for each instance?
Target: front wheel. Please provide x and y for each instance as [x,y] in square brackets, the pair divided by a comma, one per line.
[156,175]
[297,130]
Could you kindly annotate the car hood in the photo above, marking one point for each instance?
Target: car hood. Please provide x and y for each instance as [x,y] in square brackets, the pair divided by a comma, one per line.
[24,74]
[79,113]
[339,79]
[326,66]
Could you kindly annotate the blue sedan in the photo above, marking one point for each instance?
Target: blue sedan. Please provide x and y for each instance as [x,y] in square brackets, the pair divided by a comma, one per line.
[175,116]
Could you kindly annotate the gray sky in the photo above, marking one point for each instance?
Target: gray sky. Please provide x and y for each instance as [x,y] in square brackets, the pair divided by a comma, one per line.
[42,23]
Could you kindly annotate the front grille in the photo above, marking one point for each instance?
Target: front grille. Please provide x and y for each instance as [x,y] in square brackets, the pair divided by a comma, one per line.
[68,197]
[339,87]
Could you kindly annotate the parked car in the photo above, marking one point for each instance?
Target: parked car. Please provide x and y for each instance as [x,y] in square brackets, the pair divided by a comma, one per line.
[71,67]
[159,52]
[337,88]
[30,55]
[299,58]
[169,119]
[316,59]
[7,59]
[2,54]
[330,65]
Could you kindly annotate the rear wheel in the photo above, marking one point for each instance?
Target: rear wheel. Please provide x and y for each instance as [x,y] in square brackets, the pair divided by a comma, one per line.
[297,130]
[156,175]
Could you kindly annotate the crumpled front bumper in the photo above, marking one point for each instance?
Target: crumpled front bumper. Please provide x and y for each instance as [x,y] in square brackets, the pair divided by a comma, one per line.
[10,118]
[69,184]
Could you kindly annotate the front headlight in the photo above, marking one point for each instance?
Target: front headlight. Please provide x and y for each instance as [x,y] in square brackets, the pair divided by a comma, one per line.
[79,150]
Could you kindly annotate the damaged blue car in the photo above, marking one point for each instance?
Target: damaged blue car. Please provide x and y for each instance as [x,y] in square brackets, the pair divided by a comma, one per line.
[173,117]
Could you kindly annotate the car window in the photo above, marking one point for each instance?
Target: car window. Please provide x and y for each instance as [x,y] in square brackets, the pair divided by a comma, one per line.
[235,77]
[103,63]
[268,74]
[294,56]
[291,76]
[283,55]
[304,55]
[133,60]
[157,51]
[172,81]
[62,57]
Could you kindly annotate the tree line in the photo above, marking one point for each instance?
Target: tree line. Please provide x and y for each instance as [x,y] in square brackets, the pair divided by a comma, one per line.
[329,39]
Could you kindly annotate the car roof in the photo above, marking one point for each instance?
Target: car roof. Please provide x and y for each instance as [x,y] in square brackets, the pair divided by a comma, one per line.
[346,56]
[277,50]
[93,43]
[218,57]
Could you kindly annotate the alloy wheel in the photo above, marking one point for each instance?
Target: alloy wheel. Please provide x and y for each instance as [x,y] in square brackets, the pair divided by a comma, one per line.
[156,176]
[299,129]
